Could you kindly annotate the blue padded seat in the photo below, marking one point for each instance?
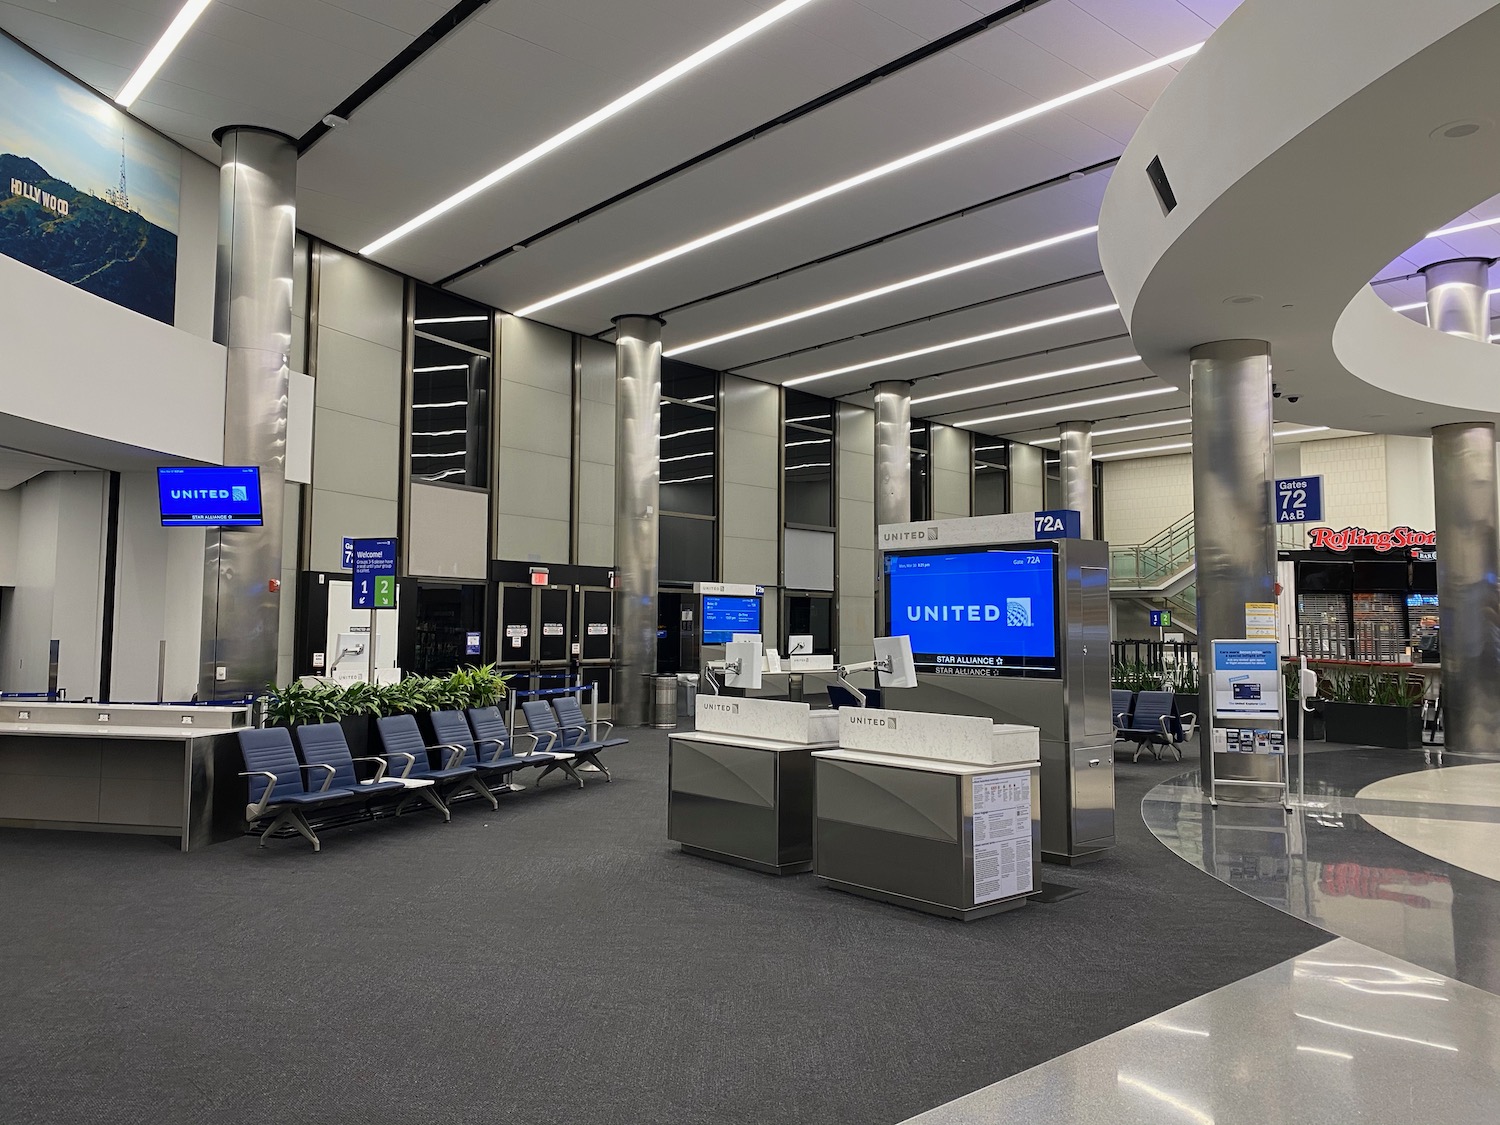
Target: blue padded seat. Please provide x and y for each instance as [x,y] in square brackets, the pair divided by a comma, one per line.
[542,720]
[1150,724]
[576,727]
[452,730]
[324,744]
[496,744]
[403,746]
[278,783]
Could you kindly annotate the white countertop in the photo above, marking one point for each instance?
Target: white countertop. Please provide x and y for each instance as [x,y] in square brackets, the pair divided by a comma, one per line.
[928,765]
[121,732]
[718,738]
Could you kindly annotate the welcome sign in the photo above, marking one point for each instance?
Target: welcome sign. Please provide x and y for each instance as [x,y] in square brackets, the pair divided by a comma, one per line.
[87,193]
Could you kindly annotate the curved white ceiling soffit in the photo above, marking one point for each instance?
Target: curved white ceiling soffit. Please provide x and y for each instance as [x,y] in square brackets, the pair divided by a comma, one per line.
[1305,145]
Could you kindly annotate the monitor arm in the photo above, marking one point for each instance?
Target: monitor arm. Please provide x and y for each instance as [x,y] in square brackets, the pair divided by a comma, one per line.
[844,671]
[720,666]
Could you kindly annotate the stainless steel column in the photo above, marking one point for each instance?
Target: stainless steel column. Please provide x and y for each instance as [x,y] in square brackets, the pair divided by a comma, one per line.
[253,320]
[637,495]
[1458,300]
[1076,446]
[1468,557]
[892,452]
[1236,540]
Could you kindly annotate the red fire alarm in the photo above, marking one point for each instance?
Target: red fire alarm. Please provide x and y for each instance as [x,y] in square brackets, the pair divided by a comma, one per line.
[274,585]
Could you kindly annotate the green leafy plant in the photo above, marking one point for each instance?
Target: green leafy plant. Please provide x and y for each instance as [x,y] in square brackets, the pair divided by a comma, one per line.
[297,704]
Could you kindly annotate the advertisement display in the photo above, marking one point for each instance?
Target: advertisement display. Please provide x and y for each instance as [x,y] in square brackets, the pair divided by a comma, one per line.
[1247,679]
[723,617]
[209,496]
[981,611]
[87,193]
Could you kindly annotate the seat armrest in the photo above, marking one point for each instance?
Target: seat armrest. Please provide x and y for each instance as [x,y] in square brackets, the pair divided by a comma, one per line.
[411,760]
[1121,717]
[328,772]
[594,734]
[253,811]
[537,739]
[380,766]
[1189,722]
[455,753]
[499,753]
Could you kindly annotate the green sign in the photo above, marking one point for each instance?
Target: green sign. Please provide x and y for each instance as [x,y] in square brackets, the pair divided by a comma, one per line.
[1161,619]
[385,592]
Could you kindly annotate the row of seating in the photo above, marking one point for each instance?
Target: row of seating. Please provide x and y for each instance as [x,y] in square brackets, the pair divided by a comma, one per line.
[475,751]
[1151,719]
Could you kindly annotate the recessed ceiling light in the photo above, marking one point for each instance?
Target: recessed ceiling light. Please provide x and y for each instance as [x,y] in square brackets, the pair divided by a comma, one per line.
[1457,130]
[913,354]
[881,291]
[159,54]
[1143,449]
[858,180]
[1028,379]
[1243,299]
[598,117]
[1164,424]
[1461,227]
[1067,406]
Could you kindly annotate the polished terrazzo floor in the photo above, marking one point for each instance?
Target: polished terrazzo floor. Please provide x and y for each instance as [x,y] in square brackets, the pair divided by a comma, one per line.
[1395,1020]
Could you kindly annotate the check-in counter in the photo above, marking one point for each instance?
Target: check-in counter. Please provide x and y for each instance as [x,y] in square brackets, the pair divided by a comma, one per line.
[152,769]
[740,786]
[939,813]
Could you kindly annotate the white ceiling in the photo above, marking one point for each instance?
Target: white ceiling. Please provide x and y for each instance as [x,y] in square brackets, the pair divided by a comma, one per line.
[521,70]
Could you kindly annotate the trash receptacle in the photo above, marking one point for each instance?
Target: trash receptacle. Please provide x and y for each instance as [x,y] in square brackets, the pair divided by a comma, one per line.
[687,696]
[664,710]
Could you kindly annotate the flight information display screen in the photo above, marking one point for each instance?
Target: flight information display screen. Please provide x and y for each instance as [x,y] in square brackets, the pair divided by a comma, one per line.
[978,611]
[724,616]
[209,496]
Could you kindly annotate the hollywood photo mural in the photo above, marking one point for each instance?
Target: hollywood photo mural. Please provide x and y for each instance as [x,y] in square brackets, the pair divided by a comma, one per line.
[87,194]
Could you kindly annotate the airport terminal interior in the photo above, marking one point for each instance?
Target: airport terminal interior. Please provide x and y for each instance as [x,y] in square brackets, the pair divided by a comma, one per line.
[719,562]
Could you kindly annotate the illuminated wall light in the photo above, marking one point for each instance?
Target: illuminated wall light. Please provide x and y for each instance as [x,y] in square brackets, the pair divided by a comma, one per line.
[1068,406]
[687,456]
[894,287]
[437,433]
[809,441]
[598,117]
[1144,449]
[441,367]
[689,480]
[1029,379]
[179,27]
[438,405]
[687,433]
[450,320]
[862,178]
[949,345]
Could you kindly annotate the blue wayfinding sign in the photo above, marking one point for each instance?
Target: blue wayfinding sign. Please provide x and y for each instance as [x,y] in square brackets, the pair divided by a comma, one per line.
[1064,523]
[1299,499]
[348,563]
[374,574]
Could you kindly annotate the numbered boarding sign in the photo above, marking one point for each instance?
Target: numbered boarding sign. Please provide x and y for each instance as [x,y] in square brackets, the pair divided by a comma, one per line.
[1299,499]
[1064,523]
[374,574]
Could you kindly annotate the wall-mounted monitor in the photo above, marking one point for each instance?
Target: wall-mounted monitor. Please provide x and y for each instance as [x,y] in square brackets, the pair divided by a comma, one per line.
[209,496]
[977,611]
[724,616]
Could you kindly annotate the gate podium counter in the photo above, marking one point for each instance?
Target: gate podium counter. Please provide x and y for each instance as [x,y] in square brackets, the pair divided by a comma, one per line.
[740,787]
[151,768]
[938,813]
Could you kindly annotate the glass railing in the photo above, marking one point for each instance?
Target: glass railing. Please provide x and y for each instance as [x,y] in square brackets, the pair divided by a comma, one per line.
[1168,552]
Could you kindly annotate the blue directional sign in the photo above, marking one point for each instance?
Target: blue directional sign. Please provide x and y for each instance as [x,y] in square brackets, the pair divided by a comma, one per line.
[1299,499]
[374,574]
[1161,618]
[348,563]
[1064,523]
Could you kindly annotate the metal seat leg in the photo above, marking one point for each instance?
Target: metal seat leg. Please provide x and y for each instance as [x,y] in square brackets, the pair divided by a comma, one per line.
[479,787]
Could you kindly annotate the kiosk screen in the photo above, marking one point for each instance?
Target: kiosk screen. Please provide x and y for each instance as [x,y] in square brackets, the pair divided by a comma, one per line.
[979,611]
[723,617]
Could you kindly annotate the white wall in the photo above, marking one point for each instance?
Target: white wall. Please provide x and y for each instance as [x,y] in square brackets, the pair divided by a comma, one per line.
[596,454]
[449,532]
[1145,495]
[952,461]
[197,246]
[1408,477]
[533,506]
[855,603]
[750,460]
[10,534]
[1354,479]
[1027,493]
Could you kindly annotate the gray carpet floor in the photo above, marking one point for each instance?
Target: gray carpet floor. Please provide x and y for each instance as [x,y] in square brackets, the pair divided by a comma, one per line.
[560,961]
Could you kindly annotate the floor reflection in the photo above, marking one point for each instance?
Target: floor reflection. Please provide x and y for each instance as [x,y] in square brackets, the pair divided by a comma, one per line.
[1327,864]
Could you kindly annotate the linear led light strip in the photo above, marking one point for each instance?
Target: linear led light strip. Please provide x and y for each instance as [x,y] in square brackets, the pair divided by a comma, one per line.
[1067,406]
[598,117]
[1461,227]
[159,54]
[1123,430]
[981,338]
[1029,379]
[893,287]
[862,178]
[1189,445]
[450,319]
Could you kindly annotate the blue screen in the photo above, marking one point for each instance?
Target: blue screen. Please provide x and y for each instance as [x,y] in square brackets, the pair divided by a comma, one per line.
[209,497]
[724,616]
[980,612]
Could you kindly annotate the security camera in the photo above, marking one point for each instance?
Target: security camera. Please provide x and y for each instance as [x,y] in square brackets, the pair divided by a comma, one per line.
[1292,398]
[1275,394]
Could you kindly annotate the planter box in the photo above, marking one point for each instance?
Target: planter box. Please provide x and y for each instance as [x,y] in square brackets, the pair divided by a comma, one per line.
[1368,724]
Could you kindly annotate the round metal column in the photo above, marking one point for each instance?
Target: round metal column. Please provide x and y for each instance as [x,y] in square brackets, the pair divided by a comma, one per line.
[892,452]
[1076,448]
[637,496]
[1468,557]
[1458,300]
[253,320]
[1235,538]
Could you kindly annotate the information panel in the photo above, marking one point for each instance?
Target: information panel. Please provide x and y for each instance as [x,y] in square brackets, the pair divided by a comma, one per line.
[209,496]
[1247,679]
[724,616]
[1002,835]
[980,611]
[374,574]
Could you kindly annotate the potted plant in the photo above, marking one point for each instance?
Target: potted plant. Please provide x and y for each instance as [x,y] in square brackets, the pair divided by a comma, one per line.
[1372,706]
[297,704]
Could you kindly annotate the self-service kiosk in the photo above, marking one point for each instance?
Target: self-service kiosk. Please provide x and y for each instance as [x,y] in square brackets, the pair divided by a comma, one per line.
[1015,628]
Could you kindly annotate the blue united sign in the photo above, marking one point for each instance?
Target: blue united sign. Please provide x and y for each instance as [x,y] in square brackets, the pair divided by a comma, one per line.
[1299,499]
[1062,524]
[374,574]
